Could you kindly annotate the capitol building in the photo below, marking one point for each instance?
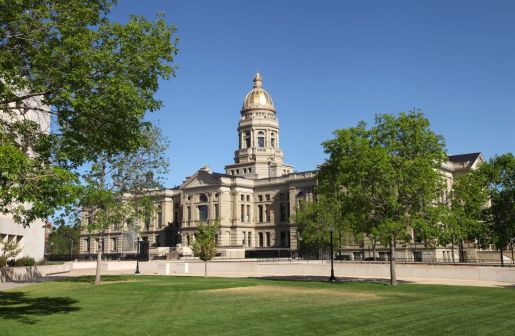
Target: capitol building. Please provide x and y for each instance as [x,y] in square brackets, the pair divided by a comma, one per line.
[253,200]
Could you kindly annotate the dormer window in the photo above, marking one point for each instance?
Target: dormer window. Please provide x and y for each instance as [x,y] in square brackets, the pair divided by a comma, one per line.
[203,197]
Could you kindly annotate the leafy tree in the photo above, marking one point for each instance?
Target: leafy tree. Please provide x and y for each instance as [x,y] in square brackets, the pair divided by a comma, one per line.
[314,220]
[389,175]
[204,246]
[64,240]
[66,63]
[116,191]
[500,216]
[462,218]
[11,248]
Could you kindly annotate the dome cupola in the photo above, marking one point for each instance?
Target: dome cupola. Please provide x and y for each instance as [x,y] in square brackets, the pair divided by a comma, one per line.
[258,98]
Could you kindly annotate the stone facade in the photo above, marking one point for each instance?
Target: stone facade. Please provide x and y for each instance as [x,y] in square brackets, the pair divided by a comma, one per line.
[253,200]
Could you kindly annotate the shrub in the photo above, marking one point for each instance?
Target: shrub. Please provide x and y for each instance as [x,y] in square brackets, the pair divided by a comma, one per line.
[3,261]
[25,261]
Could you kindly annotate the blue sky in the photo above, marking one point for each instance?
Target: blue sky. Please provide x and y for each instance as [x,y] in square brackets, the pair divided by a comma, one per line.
[330,64]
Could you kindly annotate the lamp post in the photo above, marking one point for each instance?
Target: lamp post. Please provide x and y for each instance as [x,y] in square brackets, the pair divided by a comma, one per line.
[332,278]
[137,259]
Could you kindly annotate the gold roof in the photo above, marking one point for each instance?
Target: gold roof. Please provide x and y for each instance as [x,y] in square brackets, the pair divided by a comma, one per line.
[258,98]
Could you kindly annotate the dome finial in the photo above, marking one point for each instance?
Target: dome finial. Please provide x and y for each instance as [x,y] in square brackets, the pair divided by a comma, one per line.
[258,80]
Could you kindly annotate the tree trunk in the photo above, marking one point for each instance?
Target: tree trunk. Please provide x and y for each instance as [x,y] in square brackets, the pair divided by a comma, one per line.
[205,269]
[97,274]
[452,249]
[393,277]
[374,249]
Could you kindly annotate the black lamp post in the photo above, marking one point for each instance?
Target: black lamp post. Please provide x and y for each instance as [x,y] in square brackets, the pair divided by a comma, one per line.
[332,278]
[137,259]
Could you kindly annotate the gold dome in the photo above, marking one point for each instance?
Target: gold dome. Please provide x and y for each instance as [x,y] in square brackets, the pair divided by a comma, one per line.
[258,98]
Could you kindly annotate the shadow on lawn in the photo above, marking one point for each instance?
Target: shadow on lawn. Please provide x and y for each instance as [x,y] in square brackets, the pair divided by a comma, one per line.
[317,278]
[18,306]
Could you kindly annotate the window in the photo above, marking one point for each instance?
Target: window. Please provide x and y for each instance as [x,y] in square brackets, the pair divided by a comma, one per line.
[242,215]
[267,234]
[247,219]
[282,212]
[114,244]
[248,198]
[242,198]
[203,198]
[188,209]
[159,216]
[260,235]
[147,221]
[88,246]
[267,213]
[283,238]
[272,140]
[243,240]
[203,212]
[260,214]
[267,196]
[217,214]
[247,139]
[261,140]
[249,239]
[260,198]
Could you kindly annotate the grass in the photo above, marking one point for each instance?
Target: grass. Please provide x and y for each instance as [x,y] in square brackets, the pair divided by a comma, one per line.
[153,305]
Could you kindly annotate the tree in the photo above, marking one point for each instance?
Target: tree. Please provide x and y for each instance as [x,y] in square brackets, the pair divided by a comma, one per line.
[389,175]
[462,218]
[65,63]
[204,246]
[314,219]
[500,216]
[117,189]
[64,240]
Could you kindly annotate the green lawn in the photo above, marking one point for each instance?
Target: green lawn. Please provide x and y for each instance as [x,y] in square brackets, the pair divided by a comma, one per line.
[153,305]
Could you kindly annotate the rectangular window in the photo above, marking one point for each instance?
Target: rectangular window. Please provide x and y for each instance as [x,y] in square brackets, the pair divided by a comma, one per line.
[114,244]
[242,198]
[260,235]
[242,215]
[282,212]
[247,215]
[203,212]
[267,239]
[267,196]
[243,240]
[267,213]
[248,198]
[159,216]
[217,214]
[147,221]
[260,214]
[249,239]
[260,198]
[188,210]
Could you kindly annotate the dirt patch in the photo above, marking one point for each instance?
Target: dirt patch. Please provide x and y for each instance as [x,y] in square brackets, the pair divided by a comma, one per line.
[288,291]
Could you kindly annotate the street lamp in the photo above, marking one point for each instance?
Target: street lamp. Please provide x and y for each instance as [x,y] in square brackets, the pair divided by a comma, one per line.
[332,278]
[137,259]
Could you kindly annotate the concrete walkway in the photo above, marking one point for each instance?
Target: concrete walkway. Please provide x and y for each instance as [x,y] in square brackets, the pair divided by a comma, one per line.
[450,282]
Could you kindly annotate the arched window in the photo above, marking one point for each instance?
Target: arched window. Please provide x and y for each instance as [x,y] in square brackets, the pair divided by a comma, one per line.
[203,197]
[261,139]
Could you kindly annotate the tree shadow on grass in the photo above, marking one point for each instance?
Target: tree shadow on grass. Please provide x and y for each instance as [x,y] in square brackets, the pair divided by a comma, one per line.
[317,278]
[18,306]
[91,278]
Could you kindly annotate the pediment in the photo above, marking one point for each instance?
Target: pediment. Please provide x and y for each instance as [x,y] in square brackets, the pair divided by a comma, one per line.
[201,179]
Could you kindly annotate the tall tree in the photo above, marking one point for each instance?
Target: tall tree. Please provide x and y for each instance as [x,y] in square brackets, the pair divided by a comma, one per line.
[500,216]
[204,246]
[462,218]
[66,63]
[116,187]
[389,175]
